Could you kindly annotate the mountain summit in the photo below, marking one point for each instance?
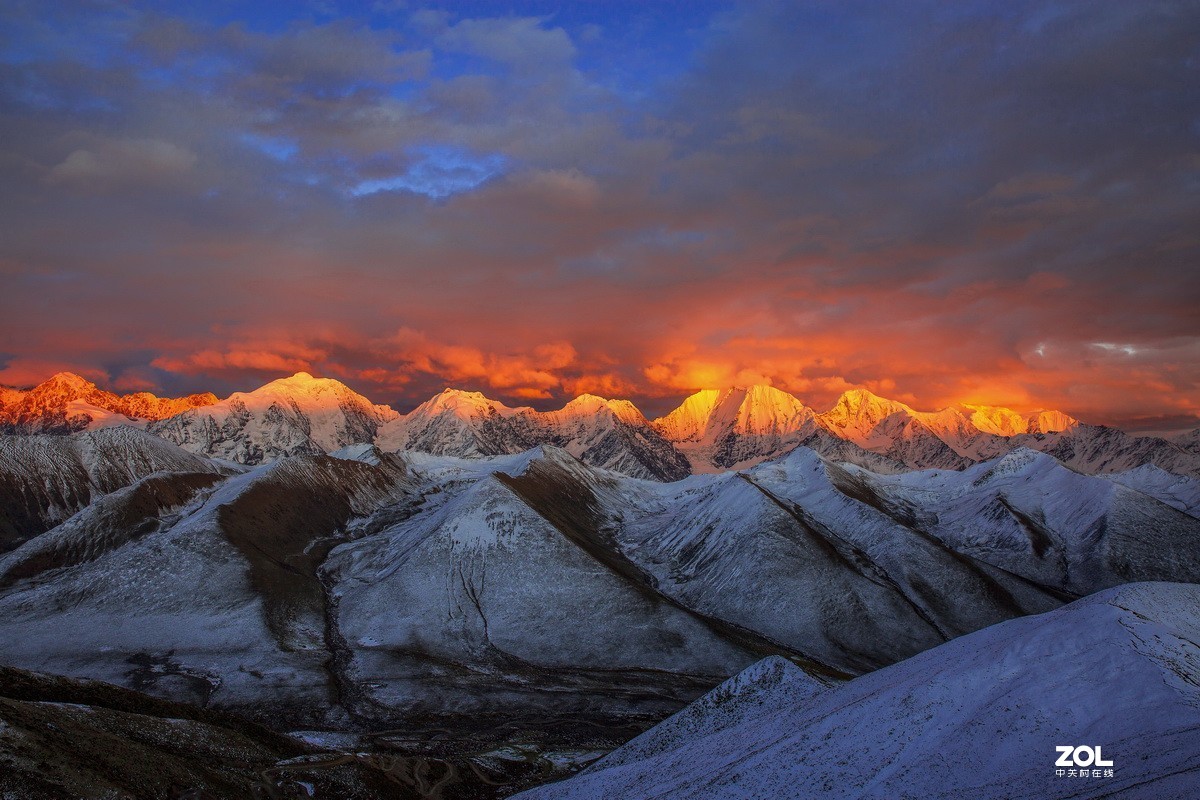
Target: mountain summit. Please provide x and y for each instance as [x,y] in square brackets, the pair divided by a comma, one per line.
[290,416]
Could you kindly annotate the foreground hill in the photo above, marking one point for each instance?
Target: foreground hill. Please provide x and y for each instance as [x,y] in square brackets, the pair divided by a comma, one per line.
[978,717]
[63,738]
[45,479]
[367,590]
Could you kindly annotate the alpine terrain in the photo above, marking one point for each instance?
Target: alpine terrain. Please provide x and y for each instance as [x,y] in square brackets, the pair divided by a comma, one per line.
[494,597]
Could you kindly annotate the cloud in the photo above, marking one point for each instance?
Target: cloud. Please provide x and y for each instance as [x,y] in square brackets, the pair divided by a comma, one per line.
[123,161]
[949,202]
[518,42]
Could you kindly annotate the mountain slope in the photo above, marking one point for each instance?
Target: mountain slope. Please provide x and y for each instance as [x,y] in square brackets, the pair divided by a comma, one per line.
[1176,491]
[217,602]
[44,479]
[482,604]
[300,415]
[1118,670]
[367,590]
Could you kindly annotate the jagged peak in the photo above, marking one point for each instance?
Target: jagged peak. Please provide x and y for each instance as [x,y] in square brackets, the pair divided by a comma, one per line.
[68,379]
[862,409]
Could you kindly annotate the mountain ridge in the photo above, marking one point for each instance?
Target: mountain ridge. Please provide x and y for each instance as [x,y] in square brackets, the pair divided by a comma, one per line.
[710,431]
[66,403]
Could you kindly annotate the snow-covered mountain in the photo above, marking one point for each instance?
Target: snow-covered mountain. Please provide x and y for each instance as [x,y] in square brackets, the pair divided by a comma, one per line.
[44,479]
[368,589]
[66,403]
[290,416]
[1189,441]
[456,423]
[736,428]
[982,717]
[729,428]
[611,434]
[711,431]
[1176,491]
[896,431]
[1100,449]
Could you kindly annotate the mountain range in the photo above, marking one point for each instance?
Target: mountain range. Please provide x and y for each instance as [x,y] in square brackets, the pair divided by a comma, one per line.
[711,431]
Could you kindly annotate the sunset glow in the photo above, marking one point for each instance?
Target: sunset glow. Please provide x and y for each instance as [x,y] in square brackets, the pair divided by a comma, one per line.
[631,200]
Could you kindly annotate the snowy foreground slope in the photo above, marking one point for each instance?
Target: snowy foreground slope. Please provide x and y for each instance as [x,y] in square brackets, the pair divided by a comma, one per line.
[978,717]
[371,590]
[45,479]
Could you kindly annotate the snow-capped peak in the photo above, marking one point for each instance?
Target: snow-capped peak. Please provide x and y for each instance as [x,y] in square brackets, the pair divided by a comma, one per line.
[461,404]
[862,409]
[67,382]
[591,405]
[1050,421]
[1006,422]
[687,422]
[306,391]
[758,410]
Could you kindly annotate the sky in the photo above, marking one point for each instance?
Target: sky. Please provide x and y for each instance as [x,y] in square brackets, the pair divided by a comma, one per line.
[983,202]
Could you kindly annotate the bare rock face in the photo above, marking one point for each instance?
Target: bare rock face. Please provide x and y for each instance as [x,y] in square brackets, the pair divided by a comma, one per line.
[63,737]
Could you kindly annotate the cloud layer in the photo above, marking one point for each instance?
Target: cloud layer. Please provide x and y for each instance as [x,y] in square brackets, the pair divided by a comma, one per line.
[981,202]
